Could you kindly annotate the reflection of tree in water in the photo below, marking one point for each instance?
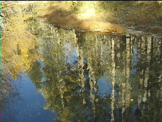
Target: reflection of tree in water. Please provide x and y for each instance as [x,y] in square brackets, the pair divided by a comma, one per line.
[35,74]
[19,50]
[18,43]
[8,94]
[5,83]
[130,65]
[150,80]
[70,86]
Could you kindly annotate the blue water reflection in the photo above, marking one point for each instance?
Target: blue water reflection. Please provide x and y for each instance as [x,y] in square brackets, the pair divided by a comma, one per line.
[104,87]
[91,77]
[28,105]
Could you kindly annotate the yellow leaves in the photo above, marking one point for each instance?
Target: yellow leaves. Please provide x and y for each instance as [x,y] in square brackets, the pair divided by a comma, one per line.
[25,59]
[15,49]
[65,116]
[27,16]
[159,2]
[16,24]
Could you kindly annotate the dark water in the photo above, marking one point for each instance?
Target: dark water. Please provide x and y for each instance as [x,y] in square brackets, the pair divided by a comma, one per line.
[69,76]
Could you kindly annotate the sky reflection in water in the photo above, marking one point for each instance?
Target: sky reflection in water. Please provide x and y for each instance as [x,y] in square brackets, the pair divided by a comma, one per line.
[92,77]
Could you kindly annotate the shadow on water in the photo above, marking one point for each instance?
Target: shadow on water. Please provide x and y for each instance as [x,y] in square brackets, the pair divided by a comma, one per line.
[89,77]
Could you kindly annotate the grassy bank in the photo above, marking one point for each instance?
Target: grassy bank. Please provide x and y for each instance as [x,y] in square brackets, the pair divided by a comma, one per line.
[105,15]
[80,15]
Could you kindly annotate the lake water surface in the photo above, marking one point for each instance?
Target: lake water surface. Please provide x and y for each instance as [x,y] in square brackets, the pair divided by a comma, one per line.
[69,76]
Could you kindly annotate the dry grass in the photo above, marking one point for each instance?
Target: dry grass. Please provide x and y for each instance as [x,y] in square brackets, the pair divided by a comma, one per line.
[151,29]
[143,12]
[155,29]
[65,18]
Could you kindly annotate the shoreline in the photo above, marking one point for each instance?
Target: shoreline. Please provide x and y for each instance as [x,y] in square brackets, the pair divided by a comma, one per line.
[104,16]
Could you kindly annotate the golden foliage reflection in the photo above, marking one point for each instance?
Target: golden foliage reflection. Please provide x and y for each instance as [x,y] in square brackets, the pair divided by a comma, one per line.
[17,41]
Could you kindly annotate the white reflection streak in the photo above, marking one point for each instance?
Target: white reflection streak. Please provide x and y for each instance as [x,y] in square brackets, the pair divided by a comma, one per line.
[113,82]
[61,95]
[146,77]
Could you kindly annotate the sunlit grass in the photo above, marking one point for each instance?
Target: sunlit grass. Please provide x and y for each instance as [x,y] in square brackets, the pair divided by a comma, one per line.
[88,14]
[86,17]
